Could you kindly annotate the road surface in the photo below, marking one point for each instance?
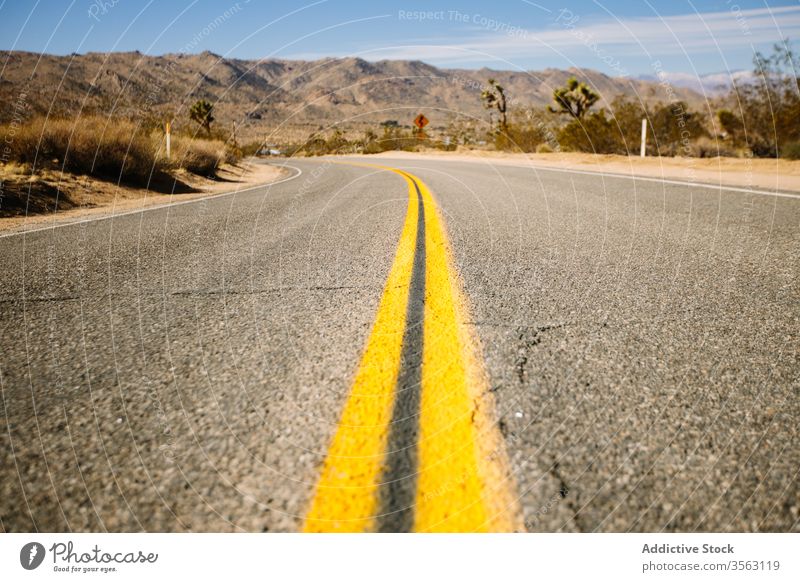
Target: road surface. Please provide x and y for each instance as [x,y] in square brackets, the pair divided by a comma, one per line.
[451,346]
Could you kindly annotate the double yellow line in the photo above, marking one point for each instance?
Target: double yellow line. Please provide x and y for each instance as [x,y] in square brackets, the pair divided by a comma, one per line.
[462,480]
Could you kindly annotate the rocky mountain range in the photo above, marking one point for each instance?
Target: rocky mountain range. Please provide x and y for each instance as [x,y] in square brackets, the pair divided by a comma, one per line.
[265,95]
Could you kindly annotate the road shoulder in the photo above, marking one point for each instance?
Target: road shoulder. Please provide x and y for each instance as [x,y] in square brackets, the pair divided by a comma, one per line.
[764,174]
[97,199]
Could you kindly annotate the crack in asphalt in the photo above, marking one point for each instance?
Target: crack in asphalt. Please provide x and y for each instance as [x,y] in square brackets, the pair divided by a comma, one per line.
[186,293]
[528,344]
[563,492]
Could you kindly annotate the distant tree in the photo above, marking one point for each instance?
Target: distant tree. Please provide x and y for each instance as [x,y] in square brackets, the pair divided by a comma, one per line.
[769,104]
[574,99]
[674,127]
[783,64]
[200,113]
[494,97]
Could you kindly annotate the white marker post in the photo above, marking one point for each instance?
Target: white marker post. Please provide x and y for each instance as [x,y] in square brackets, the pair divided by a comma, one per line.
[167,128]
[644,137]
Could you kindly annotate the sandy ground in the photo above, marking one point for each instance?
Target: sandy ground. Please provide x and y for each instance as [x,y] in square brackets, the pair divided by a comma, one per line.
[763,174]
[94,198]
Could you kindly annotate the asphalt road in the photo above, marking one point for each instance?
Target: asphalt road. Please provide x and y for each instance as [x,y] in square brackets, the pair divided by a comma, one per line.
[185,368]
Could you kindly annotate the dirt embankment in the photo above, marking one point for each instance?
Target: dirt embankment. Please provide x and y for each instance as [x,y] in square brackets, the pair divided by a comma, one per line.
[760,174]
[49,195]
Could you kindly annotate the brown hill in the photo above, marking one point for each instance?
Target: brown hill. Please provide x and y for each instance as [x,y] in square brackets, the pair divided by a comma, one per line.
[262,96]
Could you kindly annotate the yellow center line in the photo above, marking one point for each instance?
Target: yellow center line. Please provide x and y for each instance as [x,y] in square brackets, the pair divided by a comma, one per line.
[464,483]
[346,498]
[463,480]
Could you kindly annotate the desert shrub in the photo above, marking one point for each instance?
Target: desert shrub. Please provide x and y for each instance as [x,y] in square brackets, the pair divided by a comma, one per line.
[616,131]
[373,147]
[461,132]
[674,128]
[198,156]
[706,147]
[231,155]
[595,133]
[395,138]
[392,138]
[446,146]
[315,145]
[791,151]
[768,108]
[526,130]
[519,138]
[251,148]
[336,143]
[731,125]
[369,142]
[544,148]
[627,116]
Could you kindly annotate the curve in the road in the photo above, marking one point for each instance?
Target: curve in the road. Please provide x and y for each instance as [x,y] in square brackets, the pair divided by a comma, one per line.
[416,446]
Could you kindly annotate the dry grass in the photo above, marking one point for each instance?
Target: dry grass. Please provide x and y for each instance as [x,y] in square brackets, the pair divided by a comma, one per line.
[56,164]
[115,149]
[198,156]
[88,145]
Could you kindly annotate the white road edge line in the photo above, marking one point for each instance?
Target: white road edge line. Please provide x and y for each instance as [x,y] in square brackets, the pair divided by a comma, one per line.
[661,180]
[533,166]
[156,207]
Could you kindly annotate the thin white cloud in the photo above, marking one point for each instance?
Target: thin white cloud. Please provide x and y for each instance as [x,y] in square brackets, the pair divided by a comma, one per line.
[705,32]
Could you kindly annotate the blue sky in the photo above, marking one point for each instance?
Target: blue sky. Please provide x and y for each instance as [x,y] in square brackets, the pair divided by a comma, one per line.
[616,37]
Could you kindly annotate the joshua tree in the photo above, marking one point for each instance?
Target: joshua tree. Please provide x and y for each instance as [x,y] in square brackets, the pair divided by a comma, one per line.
[574,99]
[494,97]
[200,112]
